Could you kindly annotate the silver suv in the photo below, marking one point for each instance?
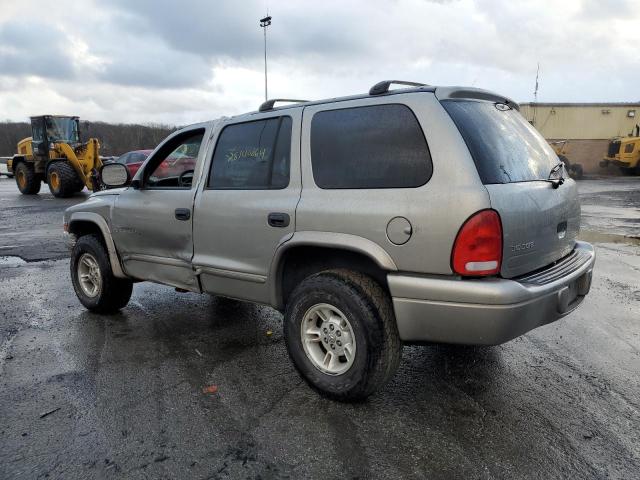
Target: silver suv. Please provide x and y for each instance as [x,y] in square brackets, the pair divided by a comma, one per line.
[419,214]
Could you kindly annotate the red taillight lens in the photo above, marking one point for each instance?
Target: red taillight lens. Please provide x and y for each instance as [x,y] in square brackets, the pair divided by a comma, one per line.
[478,246]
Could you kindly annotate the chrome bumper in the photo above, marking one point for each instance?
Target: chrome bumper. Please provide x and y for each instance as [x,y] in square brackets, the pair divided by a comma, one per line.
[489,311]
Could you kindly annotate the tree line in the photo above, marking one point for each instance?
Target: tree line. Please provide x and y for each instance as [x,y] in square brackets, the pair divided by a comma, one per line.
[115,139]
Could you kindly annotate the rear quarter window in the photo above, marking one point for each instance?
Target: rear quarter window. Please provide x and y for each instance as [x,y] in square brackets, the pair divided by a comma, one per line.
[380,146]
[504,146]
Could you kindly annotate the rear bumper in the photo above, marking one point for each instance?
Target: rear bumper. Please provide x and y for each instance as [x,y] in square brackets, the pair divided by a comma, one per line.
[489,311]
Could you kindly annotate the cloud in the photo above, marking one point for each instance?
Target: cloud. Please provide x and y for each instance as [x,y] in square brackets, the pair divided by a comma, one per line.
[24,53]
[177,62]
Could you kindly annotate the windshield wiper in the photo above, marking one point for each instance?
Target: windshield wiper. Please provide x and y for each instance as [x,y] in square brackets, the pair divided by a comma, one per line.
[557,181]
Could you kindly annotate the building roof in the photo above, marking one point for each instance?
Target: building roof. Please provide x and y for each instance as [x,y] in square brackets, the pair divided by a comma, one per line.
[583,104]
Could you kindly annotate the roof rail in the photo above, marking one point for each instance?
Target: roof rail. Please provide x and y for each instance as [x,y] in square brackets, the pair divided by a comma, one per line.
[268,105]
[383,86]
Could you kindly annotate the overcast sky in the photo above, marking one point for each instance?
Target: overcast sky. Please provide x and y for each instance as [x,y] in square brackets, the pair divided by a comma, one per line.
[184,61]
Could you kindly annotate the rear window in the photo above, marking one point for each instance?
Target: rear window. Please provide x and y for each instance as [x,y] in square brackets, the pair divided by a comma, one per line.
[504,146]
[379,146]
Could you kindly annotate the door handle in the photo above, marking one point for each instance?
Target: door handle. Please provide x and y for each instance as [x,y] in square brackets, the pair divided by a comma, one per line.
[278,219]
[183,213]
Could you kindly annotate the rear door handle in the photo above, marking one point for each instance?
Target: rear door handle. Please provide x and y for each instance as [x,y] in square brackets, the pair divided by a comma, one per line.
[277,219]
[183,213]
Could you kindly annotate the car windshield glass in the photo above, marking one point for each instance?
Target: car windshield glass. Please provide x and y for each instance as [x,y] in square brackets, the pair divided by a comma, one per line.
[62,130]
[504,146]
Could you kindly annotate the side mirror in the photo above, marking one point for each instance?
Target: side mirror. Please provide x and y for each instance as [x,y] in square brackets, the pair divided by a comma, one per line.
[114,175]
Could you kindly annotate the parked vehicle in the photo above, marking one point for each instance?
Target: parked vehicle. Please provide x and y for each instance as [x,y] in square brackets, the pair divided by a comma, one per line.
[134,160]
[419,214]
[4,170]
[624,153]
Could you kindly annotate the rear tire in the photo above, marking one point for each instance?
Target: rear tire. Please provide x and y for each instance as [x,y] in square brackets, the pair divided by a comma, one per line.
[575,171]
[27,180]
[62,179]
[364,309]
[93,280]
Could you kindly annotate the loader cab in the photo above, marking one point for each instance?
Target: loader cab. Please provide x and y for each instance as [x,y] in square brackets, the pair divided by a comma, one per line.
[48,129]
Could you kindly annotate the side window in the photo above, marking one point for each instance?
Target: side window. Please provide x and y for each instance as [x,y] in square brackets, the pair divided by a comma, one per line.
[137,158]
[173,165]
[37,133]
[124,159]
[380,146]
[628,148]
[252,156]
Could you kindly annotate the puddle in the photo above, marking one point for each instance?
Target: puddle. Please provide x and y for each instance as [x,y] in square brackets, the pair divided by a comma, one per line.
[598,237]
[11,261]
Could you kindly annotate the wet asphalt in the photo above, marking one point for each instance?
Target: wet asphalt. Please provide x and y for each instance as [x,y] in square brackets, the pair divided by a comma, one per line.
[90,396]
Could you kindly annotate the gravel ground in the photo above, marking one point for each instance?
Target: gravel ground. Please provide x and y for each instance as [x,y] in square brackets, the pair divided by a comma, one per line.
[88,396]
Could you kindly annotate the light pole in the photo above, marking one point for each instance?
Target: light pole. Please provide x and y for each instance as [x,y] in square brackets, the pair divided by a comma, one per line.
[264,23]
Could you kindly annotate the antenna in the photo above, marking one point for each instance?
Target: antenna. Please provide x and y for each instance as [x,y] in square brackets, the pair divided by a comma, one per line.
[535,96]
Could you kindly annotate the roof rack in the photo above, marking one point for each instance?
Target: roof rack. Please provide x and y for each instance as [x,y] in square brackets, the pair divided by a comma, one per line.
[383,86]
[268,105]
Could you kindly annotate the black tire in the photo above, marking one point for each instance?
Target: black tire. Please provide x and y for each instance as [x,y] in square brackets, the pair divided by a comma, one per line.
[27,179]
[79,186]
[369,310]
[114,293]
[62,179]
[576,171]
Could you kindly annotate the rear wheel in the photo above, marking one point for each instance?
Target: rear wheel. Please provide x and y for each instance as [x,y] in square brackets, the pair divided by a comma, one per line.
[62,179]
[575,171]
[93,281]
[341,334]
[27,180]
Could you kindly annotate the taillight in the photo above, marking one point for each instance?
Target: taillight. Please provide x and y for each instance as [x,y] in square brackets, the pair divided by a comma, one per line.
[478,246]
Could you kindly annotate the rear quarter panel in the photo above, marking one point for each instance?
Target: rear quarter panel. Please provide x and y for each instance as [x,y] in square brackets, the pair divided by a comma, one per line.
[435,210]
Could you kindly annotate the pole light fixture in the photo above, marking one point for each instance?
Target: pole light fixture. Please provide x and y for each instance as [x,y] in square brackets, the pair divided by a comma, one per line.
[264,23]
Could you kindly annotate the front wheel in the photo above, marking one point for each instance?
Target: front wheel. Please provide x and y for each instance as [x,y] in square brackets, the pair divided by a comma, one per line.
[62,179]
[93,280]
[341,334]
[27,180]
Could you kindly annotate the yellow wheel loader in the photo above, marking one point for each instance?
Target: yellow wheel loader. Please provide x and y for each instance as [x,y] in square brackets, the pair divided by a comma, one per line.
[573,169]
[55,155]
[624,153]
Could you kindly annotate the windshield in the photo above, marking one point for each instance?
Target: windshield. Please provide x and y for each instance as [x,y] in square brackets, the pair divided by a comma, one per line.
[60,129]
[504,146]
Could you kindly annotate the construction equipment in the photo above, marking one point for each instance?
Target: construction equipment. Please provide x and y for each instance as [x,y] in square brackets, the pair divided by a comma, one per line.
[55,155]
[624,153]
[573,169]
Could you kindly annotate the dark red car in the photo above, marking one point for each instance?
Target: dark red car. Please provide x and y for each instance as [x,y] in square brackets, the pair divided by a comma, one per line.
[173,166]
[134,160]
